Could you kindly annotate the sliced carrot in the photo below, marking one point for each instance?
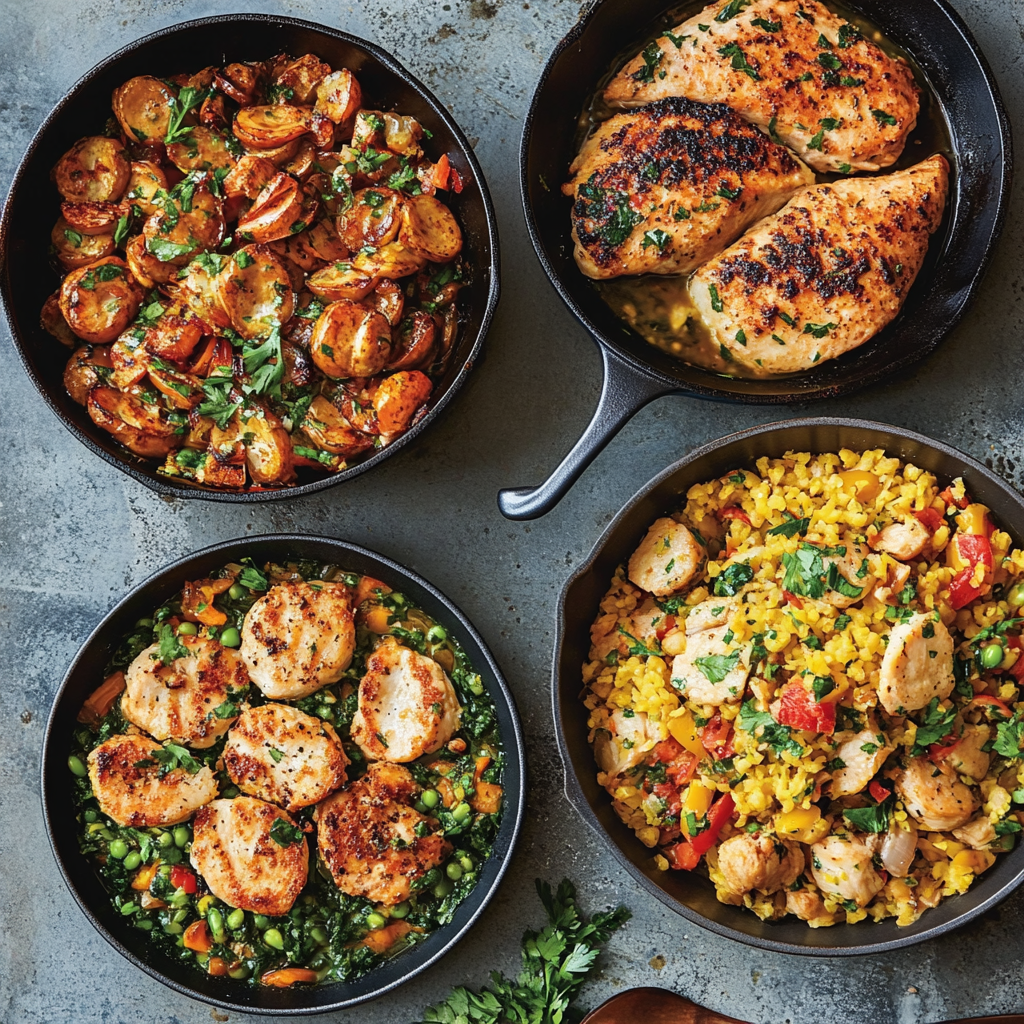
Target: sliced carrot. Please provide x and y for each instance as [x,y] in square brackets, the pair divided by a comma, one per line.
[365,588]
[144,876]
[487,798]
[98,704]
[218,966]
[376,618]
[197,600]
[197,937]
[382,939]
[481,767]
[441,171]
[286,976]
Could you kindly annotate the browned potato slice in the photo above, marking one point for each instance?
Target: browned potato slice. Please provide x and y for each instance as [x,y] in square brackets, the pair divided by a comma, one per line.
[147,269]
[392,261]
[257,291]
[100,300]
[341,281]
[192,226]
[249,176]
[175,334]
[93,170]
[136,424]
[241,82]
[295,255]
[92,218]
[129,358]
[338,96]
[268,449]
[142,106]
[429,230]
[202,290]
[203,79]
[182,390]
[215,472]
[414,342]
[389,300]
[322,129]
[328,429]
[275,213]
[373,218]
[147,178]
[277,155]
[75,249]
[297,82]
[51,319]
[203,149]
[402,134]
[350,340]
[81,376]
[213,113]
[324,241]
[398,398]
[301,164]
[368,129]
[269,126]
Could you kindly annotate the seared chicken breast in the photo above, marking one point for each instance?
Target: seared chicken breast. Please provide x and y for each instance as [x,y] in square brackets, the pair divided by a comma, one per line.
[132,788]
[246,858]
[667,559]
[193,699]
[793,68]
[662,189]
[367,836]
[824,274]
[298,637]
[283,755]
[407,705]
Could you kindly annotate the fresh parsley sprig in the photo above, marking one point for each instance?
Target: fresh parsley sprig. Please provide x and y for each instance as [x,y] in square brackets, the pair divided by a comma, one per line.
[186,100]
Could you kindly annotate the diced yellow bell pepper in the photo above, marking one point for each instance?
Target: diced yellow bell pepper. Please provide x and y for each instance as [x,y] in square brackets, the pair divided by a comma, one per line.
[974,860]
[796,820]
[144,876]
[866,485]
[972,519]
[698,798]
[684,731]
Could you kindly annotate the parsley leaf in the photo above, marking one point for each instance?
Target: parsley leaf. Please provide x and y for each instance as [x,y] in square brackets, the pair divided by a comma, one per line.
[658,238]
[637,648]
[652,58]
[870,819]
[731,9]
[764,728]
[187,99]
[883,118]
[170,646]
[252,578]
[739,60]
[790,528]
[715,667]
[171,756]
[284,833]
[1009,736]
[937,725]
[732,581]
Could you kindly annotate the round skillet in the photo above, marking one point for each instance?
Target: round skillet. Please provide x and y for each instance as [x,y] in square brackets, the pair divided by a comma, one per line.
[26,278]
[85,885]
[686,893]
[635,372]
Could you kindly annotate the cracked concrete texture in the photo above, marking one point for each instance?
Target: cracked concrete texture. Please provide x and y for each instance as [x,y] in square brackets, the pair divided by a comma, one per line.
[76,534]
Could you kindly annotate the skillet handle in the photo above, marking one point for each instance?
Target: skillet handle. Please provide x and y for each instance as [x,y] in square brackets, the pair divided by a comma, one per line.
[624,392]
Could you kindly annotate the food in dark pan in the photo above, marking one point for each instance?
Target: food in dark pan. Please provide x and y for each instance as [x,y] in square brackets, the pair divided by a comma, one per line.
[289,774]
[261,272]
[732,113]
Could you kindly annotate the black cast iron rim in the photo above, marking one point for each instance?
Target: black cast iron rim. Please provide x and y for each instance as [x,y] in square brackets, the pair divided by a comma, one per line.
[705,387]
[88,891]
[140,469]
[984,894]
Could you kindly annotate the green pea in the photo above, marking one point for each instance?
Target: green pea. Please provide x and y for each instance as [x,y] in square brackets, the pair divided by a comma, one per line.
[236,919]
[318,935]
[231,637]
[375,920]
[430,798]
[128,909]
[118,849]
[187,629]
[77,766]
[145,924]
[400,910]
[421,807]
[462,812]
[272,937]
[173,928]
[453,871]
[1016,595]
[466,863]
[236,591]
[165,839]
[133,860]
[260,921]
[436,635]
[239,973]
[90,815]
[144,624]
[215,921]
[991,656]
[181,836]
[443,888]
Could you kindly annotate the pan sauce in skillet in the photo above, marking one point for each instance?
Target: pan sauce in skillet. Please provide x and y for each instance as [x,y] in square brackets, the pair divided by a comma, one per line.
[659,307]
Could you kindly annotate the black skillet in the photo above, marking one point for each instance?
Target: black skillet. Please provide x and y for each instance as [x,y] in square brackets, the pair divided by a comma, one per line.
[686,893]
[62,827]
[957,78]
[26,278]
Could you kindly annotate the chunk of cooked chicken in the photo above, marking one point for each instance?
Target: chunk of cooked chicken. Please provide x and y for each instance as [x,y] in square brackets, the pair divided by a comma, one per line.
[246,858]
[969,757]
[626,743]
[903,540]
[407,705]
[917,664]
[977,833]
[710,671]
[810,907]
[933,796]
[826,273]
[853,567]
[662,189]
[298,637]
[368,840]
[842,865]
[794,68]
[668,558]
[284,756]
[133,789]
[863,756]
[762,862]
[193,700]
[716,611]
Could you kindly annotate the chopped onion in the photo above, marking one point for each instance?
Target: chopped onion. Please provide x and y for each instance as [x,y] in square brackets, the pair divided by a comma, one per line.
[898,851]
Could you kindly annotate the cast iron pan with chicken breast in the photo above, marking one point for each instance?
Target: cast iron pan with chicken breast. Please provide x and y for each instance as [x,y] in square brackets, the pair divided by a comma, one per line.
[958,102]
[283,775]
[259,269]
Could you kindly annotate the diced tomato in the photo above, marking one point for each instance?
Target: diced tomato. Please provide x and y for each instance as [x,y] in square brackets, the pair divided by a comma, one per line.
[733,512]
[799,710]
[441,172]
[994,703]
[682,856]
[716,737]
[961,591]
[182,878]
[670,794]
[455,180]
[667,750]
[682,768]
[686,855]
[792,599]
[930,518]
[938,751]
[878,791]
[961,503]
[667,624]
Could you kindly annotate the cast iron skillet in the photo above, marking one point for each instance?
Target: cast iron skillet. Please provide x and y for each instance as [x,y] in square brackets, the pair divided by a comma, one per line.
[686,893]
[635,372]
[26,278]
[87,670]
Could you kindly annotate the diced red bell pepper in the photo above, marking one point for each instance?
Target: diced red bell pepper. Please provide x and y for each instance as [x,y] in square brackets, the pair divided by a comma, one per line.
[455,180]
[442,171]
[667,624]
[961,591]
[670,794]
[930,518]
[939,751]
[961,503]
[974,549]
[994,703]
[733,512]
[799,710]
[716,738]
[686,855]
[182,878]
[792,599]
[878,791]
[667,750]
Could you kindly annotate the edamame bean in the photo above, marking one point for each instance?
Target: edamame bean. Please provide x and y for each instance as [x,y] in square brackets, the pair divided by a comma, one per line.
[375,920]
[273,938]
[187,629]
[236,919]
[318,935]
[430,798]
[181,915]
[436,635]
[1016,595]
[476,686]
[260,921]
[118,849]
[239,973]
[443,888]
[400,910]
[165,840]
[466,863]
[181,836]
[173,928]
[991,656]
[231,637]
[421,807]
[215,922]
[90,815]
[145,924]
[453,871]
[230,793]
[128,909]
[462,812]
[77,766]
[236,591]
[133,860]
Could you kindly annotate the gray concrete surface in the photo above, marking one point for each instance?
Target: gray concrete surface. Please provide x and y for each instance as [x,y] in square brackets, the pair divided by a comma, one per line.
[76,533]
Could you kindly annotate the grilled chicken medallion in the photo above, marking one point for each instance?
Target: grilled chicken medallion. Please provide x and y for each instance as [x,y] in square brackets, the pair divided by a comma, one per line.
[792,67]
[662,189]
[826,273]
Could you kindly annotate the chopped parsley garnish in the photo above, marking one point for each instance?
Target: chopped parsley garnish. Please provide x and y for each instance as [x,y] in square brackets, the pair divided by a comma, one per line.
[768,26]
[637,648]
[937,725]
[658,238]
[1009,735]
[870,819]
[791,528]
[819,330]
[652,55]
[171,756]
[731,9]
[682,213]
[716,302]
[187,99]
[739,60]
[715,667]
[764,728]
[730,582]
[165,250]
[276,755]
[284,833]
[848,35]
[170,647]
[882,117]
[829,61]
[729,193]
[252,578]
[676,40]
